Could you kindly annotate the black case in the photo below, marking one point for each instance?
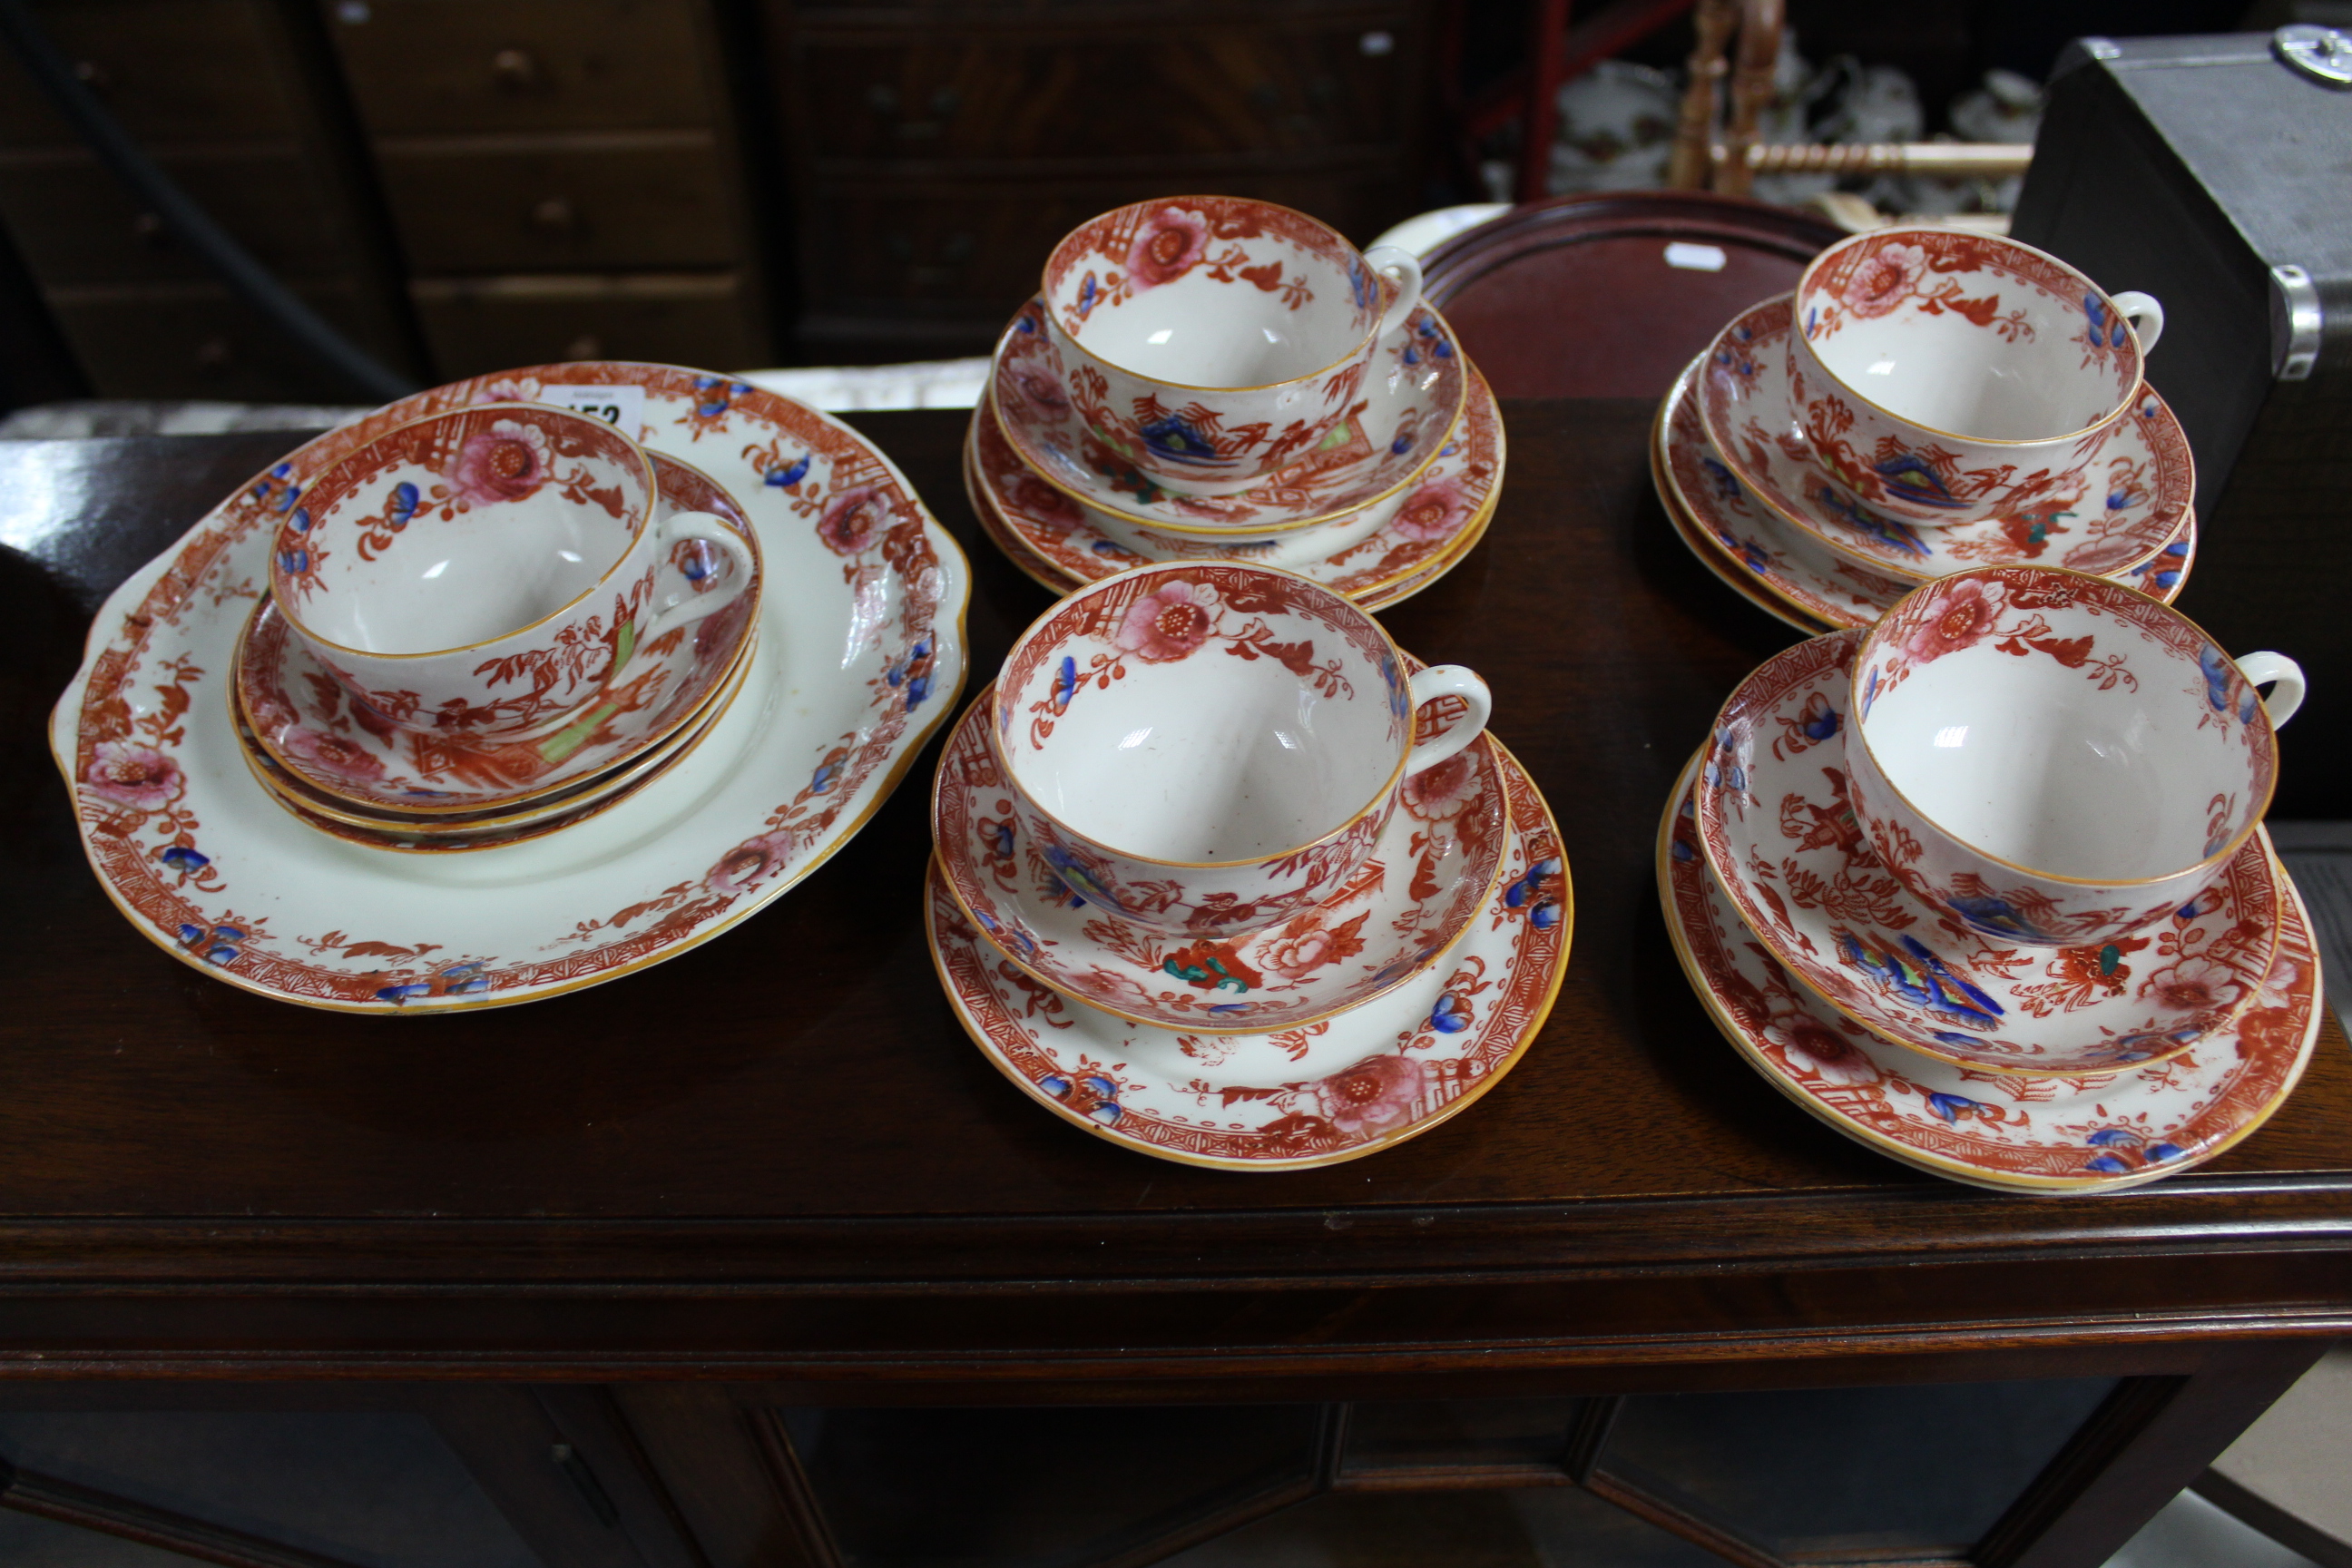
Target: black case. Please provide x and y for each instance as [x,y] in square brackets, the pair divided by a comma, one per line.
[2209,174]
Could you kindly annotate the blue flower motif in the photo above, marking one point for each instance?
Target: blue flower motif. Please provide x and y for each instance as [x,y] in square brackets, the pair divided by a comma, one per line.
[402,992]
[2218,671]
[1056,1085]
[2106,1164]
[1106,1113]
[791,473]
[1065,684]
[1178,440]
[996,839]
[1899,536]
[917,690]
[1104,547]
[1086,296]
[300,521]
[1400,446]
[180,857]
[1995,917]
[1451,1016]
[296,562]
[1411,354]
[402,506]
[827,773]
[1952,1108]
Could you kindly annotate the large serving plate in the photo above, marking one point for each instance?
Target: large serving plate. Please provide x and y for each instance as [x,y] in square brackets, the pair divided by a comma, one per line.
[860,657]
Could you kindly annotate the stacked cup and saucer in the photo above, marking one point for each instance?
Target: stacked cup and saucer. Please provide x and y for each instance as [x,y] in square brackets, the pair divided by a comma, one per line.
[1926,400]
[1206,378]
[1985,887]
[489,624]
[1224,877]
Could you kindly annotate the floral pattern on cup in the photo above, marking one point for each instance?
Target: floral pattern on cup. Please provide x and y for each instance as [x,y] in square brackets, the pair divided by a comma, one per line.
[2112,514]
[1407,902]
[1336,1089]
[1078,442]
[2005,1130]
[1084,653]
[2146,669]
[1777,823]
[1941,315]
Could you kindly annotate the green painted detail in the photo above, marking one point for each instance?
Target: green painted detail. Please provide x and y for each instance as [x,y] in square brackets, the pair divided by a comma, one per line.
[570,738]
[2109,957]
[625,650]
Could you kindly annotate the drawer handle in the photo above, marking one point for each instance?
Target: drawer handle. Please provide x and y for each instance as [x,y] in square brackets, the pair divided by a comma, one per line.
[514,68]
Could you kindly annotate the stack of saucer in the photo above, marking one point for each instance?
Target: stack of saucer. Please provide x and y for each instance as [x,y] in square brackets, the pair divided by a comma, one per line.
[1223,877]
[1954,400]
[489,625]
[1212,378]
[1986,886]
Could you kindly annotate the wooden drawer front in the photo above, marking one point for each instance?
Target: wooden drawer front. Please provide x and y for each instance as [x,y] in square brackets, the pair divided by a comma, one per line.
[1179,92]
[171,70]
[662,204]
[868,248]
[473,325]
[197,341]
[522,65]
[76,223]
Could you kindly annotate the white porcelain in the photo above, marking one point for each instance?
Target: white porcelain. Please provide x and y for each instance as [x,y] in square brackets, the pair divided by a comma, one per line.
[1395,419]
[2056,759]
[1430,872]
[1789,574]
[2006,1131]
[1949,375]
[1212,748]
[1776,820]
[492,571]
[1336,1089]
[1213,340]
[859,658]
[1369,555]
[2118,512]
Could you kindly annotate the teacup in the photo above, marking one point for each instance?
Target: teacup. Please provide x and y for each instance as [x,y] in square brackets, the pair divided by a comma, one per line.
[1213,340]
[2054,759]
[1946,376]
[492,569]
[1207,749]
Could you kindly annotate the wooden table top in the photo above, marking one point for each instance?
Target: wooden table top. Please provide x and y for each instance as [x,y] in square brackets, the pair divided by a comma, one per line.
[781,1146]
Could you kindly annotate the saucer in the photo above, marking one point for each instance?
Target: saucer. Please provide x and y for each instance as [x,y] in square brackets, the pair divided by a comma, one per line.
[1348,1086]
[1783,840]
[544,813]
[860,657]
[2004,1131]
[1431,522]
[1784,570]
[1751,421]
[1408,404]
[1433,867]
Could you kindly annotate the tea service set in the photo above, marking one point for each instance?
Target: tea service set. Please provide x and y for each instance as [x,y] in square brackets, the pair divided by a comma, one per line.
[1206,378]
[531,681]
[1978,878]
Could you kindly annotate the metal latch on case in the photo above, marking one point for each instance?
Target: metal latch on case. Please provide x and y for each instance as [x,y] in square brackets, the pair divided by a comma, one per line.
[2323,55]
[2295,323]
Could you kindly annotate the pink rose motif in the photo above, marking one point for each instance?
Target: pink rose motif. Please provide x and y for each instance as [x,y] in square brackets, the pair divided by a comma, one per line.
[1306,946]
[1036,391]
[1434,511]
[853,520]
[1962,620]
[1442,789]
[509,389]
[1884,279]
[1813,1046]
[328,752]
[1377,1092]
[1168,247]
[131,774]
[2195,985]
[1167,624]
[507,462]
[749,864]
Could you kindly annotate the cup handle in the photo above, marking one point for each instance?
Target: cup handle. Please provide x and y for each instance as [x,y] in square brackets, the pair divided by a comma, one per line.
[711,530]
[2144,314]
[1403,269]
[2286,696]
[1448,680]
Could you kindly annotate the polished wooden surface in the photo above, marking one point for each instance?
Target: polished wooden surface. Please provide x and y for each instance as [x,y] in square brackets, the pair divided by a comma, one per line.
[778,1156]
